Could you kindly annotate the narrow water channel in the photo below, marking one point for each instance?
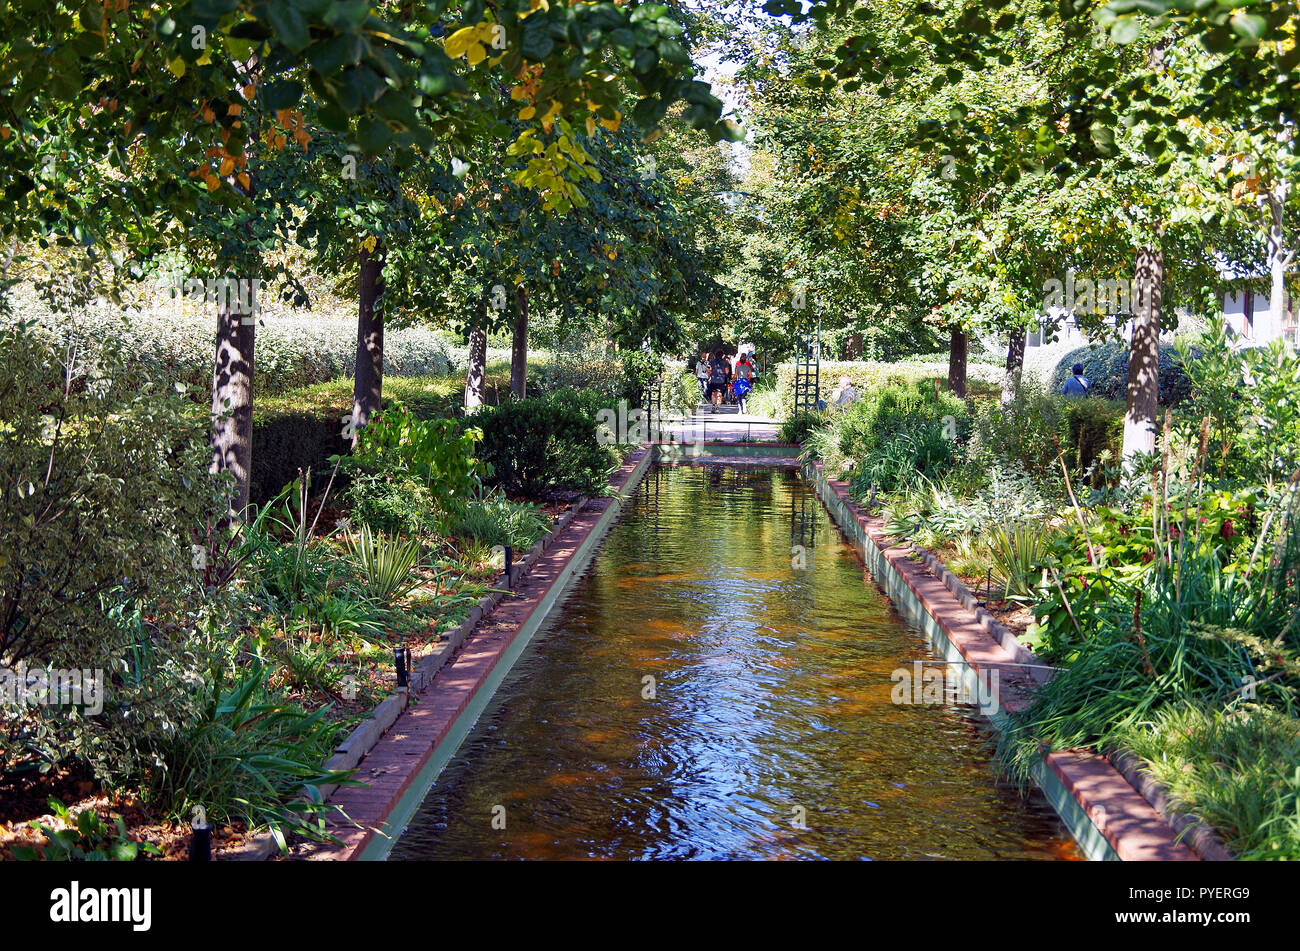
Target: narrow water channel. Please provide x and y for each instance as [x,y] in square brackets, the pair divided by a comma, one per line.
[769,731]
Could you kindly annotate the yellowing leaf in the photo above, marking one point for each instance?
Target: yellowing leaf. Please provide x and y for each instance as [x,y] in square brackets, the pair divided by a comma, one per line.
[591,126]
[369,244]
[177,66]
[516,92]
[527,112]
[227,166]
[476,54]
[213,183]
[459,42]
[244,181]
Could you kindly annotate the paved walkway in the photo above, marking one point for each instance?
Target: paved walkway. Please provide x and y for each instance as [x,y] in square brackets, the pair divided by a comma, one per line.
[723,427]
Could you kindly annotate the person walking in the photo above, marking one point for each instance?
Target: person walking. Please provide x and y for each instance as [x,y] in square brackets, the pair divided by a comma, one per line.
[744,380]
[702,374]
[1077,384]
[719,371]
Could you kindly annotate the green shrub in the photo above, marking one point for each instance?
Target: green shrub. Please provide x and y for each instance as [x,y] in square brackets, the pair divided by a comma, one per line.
[868,376]
[174,342]
[1035,426]
[495,520]
[105,478]
[438,453]
[918,451]
[892,435]
[393,505]
[539,445]
[1106,367]
[798,428]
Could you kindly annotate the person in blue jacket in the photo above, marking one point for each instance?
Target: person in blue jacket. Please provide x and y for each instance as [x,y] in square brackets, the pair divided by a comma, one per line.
[1076,385]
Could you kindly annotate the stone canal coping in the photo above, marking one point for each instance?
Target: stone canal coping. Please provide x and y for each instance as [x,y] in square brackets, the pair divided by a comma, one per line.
[1112,806]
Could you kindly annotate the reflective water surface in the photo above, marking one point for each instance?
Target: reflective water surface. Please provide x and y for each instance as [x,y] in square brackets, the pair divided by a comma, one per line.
[767,730]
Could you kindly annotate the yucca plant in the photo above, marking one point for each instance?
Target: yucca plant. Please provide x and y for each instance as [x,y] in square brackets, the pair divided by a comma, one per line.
[386,564]
[1016,551]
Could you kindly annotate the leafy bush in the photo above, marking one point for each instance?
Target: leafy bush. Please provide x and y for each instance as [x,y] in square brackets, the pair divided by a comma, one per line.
[893,434]
[393,505]
[1252,403]
[641,368]
[106,474]
[798,428]
[868,376]
[438,453]
[538,445]
[1035,426]
[83,837]
[1106,367]
[916,452]
[495,520]
[173,342]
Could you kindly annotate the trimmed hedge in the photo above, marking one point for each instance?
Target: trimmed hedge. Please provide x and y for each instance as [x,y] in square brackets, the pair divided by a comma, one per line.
[539,445]
[868,375]
[1106,367]
[304,428]
[176,345]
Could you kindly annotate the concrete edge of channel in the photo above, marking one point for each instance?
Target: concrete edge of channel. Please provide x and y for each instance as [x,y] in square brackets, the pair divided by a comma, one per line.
[387,717]
[1112,806]
[361,740]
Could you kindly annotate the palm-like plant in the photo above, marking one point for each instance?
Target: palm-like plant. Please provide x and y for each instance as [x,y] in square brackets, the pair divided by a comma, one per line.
[386,564]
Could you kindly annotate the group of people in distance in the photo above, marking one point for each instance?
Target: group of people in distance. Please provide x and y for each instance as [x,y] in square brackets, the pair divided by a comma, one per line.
[723,380]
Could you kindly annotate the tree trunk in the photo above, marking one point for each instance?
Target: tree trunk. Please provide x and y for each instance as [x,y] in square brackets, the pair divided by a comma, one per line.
[1015,364]
[368,380]
[1144,356]
[232,398]
[957,364]
[519,346]
[476,376]
[1278,261]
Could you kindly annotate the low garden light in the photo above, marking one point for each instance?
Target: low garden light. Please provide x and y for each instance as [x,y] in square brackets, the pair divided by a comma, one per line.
[201,840]
[402,660]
